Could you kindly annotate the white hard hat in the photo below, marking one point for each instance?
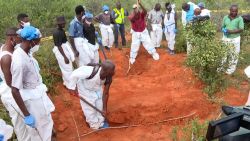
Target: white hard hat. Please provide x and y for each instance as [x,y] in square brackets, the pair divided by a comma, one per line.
[135,6]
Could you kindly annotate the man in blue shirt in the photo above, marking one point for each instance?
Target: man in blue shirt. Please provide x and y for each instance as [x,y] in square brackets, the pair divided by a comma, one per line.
[76,37]
[188,12]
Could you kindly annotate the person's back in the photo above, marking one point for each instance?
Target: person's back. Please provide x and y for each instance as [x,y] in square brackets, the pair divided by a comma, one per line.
[89,33]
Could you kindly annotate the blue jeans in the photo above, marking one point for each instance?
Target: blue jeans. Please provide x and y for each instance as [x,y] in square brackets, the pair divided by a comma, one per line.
[121,28]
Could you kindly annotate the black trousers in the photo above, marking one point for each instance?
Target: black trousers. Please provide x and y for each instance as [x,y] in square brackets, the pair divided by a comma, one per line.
[119,28]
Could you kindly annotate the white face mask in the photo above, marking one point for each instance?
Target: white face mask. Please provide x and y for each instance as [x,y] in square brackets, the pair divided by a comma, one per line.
[25,24]
[34,49]
[106,12]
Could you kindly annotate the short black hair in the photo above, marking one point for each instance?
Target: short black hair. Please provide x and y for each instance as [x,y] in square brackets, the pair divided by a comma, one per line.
[79,9]
[21,16]
[167,4]
[185,6]
[234,6]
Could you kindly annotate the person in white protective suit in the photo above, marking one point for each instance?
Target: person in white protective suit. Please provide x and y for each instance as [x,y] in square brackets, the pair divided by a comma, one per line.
[28,90]
[6,131]
[91,35]
[63,52]
[170,26]
[6,51]
[140,34]
[232,27]
[155,18]
[90,80]
[247,72]
[105,19]
[204,11]
[82,52]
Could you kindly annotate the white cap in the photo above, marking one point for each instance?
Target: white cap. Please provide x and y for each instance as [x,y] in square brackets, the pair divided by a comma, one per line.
[135,6]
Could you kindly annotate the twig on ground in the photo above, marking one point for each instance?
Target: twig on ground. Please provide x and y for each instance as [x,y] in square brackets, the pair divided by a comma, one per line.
[77,131]
[137,125]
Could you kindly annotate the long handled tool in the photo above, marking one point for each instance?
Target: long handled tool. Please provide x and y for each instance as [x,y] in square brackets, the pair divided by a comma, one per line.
[99,111]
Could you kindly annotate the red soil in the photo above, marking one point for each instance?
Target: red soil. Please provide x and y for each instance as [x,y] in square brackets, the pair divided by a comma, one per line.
[153,91]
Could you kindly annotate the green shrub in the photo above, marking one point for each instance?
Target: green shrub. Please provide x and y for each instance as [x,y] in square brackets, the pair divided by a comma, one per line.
[207,54]
[195,131]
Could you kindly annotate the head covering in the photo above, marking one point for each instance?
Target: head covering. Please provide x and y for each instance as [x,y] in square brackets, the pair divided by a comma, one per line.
[105,8]
[201,5]
[89,16]
[60,20]
[135,6]
[30,33]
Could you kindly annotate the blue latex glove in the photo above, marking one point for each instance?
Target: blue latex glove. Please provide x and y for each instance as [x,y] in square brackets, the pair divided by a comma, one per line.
[175,30]
[118,25]
[30,121]
[96,34]
[99,40]
[224,30]
[1,137]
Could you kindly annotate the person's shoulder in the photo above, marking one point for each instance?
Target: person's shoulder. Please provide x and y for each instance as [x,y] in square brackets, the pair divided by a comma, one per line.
[72,22]
[56,31]
[225,17]
[240,18]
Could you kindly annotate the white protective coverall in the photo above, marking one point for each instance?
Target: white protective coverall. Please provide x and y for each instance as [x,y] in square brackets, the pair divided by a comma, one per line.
[11,106]
[94,48]
[247,72]
[107,35]
[155,18]
[92,91]
[236,44]
[5,130]
[156,34]
[144,38]
[170,29]
[26,78]
[66,69]
[85,52]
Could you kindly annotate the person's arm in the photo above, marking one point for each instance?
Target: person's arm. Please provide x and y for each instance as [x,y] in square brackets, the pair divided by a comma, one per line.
[240,28]
[106,94]
[16,84]
[5,66]
[58,42]
[176,19]
[142,7]
[126,13]
[19,101]
[184,18]
[97,18]
[71,38]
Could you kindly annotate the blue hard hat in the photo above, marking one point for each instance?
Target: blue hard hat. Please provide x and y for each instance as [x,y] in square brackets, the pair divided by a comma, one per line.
[105,8]
[201,4]
[30,33]
[89,15]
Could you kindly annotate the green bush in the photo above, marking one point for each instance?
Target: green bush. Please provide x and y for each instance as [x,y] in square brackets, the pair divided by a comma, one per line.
[207,54]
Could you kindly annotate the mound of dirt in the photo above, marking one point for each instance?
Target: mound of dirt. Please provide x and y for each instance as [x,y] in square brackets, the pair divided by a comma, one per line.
[152,91]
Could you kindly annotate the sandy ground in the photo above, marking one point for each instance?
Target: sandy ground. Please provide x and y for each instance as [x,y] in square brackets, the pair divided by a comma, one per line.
[153,91]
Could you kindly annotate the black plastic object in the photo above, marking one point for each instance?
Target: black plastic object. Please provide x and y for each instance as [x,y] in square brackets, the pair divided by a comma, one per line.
[224,126]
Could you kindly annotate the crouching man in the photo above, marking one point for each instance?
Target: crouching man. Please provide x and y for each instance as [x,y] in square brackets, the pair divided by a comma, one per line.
[90,80]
